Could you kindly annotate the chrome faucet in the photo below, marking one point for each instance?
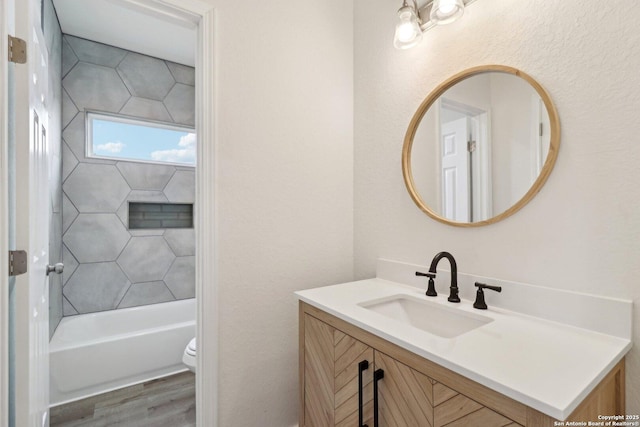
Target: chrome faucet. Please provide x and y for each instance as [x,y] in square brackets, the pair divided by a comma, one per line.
[431,289]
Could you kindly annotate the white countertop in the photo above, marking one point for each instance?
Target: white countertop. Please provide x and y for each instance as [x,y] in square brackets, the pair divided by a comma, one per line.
[546,365]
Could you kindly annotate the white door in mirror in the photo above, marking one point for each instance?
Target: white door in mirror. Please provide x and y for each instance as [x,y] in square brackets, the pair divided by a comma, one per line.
[455,170]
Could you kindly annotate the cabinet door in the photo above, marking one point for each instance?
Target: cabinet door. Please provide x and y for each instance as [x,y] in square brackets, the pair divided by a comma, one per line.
[348,353]
[332,391]
[405,395]
[318,373]
[452,409]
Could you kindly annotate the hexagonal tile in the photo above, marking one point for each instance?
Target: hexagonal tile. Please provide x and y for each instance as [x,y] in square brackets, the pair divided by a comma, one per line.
[146,293]
[181,278]
[141,176]
[96,287]
[146,108]
[69,58]
[96,238]
[181,103]
[69,213]
[70,264]
[67,308]
[96,188]
[182,187]
[145,76]
[182,73]
[95,87]
[181,240]
[55,238]
[69,161]
[55,302]
[96,53]
[69,109]
[146,259]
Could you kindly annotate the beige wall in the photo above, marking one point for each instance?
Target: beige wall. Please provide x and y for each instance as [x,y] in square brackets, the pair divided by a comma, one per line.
[285,189]
[582,231]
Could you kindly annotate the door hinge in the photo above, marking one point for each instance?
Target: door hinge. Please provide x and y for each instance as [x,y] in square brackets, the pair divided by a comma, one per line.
[541,129]
[17,50]
[17,263]
[471,146]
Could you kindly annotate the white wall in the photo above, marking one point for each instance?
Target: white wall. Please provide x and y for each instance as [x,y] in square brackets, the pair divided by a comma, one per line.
[582,231]
[285,189]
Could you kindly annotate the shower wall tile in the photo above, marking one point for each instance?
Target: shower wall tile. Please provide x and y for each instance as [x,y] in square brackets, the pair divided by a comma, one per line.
[96,188]
[69,109]
[93,87]
[135,70]
[96,53]
[181,277]
[67,308]
[69,161]
[146,293]
[181,103]
[178,190]
[181,241]
[96,287]
[56,305]
[55,238]
[96,238]
[69,213]
[117,81]
[70,264]
[146,108]
[143,176]
[146,259]
[182,73]
[69,58]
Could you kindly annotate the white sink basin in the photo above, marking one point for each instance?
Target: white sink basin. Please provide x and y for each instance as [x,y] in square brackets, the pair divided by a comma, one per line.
[446,322]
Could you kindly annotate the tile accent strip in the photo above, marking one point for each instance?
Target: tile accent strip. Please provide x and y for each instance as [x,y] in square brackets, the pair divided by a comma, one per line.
[160,215]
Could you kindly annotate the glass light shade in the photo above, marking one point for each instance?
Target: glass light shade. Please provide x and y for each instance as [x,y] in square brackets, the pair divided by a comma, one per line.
[446,11]
[408,32]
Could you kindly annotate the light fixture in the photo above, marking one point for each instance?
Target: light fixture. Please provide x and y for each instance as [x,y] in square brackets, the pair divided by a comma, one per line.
[408,32]
[412,20]
[446,11]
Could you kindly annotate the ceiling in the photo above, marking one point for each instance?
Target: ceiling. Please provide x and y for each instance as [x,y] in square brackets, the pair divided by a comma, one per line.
[131,26]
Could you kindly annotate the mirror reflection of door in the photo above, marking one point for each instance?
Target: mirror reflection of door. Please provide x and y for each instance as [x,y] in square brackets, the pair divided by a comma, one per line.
[465,162]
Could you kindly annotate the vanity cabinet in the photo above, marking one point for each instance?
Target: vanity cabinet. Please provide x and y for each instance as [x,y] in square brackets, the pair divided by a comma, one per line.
[413,391]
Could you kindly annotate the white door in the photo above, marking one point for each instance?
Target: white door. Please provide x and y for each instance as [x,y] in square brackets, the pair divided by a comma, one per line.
[455,169]
[31,343]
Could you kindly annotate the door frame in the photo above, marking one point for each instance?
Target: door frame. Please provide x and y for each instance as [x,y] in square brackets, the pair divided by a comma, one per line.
[201,15]
[4,220]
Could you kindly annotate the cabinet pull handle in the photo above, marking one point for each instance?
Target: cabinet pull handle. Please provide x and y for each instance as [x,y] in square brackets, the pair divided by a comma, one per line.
[377,376]
[362,366]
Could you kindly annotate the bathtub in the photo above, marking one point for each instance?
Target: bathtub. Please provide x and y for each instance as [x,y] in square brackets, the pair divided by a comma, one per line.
[99,352]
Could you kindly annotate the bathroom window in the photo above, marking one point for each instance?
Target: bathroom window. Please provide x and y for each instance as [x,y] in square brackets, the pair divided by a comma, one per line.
[126,138]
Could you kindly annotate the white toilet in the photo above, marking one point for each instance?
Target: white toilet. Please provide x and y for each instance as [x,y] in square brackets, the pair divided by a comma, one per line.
[189,356]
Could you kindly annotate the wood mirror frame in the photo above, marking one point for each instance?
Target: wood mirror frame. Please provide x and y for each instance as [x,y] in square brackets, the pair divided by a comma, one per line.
[554,144]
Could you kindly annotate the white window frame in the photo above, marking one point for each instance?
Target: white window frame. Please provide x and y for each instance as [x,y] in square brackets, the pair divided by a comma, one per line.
[119,118]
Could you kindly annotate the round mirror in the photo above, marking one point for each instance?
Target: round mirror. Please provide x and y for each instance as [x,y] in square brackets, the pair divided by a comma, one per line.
[480,146]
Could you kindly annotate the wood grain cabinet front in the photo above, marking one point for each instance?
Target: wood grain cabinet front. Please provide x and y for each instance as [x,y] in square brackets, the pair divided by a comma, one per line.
[338,376]
[352,378]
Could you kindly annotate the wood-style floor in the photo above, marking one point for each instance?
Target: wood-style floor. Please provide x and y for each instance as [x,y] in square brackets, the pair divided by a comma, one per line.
[165,402]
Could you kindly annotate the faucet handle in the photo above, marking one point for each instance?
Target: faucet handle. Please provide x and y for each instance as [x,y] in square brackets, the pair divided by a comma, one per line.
[431,275]
[480,303]
[431,289]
